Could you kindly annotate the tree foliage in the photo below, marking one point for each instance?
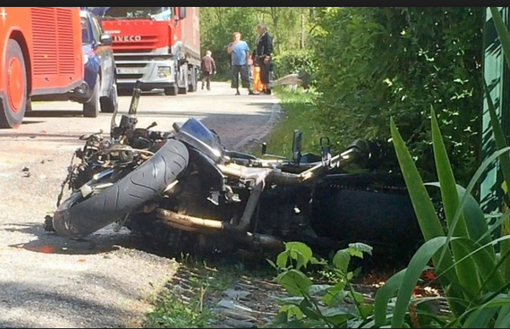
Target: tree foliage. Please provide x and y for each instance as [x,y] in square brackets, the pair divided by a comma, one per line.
[289,27]
[378,62]
[371,63]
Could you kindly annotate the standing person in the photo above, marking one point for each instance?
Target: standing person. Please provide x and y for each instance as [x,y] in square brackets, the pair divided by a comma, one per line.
[240,53]
[263,56]
[208,68]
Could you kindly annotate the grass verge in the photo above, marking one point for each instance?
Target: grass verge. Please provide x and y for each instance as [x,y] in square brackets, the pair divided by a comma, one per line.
[188,299]
[298,115]
[183,301]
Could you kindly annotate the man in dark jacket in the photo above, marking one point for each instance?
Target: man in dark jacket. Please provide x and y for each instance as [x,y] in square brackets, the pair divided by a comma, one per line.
[264,54]
[208,68]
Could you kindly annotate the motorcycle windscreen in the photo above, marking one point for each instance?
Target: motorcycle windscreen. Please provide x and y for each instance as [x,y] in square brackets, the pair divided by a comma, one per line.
[195,133]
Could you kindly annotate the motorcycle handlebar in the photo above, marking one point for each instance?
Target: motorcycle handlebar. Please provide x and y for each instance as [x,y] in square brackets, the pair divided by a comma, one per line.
[276,175]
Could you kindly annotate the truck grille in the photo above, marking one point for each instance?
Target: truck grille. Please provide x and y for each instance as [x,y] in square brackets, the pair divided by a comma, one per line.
[146,44]
[133,66]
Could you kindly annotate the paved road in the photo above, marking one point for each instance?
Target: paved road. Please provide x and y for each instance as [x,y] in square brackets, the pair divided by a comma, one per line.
[49,281]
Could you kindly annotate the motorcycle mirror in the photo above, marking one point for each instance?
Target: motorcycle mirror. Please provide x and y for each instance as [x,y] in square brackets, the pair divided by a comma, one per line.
[296,146]
[153,124]
[134,99]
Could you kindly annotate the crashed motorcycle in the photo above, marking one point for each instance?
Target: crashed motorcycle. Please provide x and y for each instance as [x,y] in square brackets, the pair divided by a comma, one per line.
[183,189]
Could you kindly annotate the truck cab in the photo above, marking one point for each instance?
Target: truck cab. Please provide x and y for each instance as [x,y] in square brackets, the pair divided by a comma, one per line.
[157,45]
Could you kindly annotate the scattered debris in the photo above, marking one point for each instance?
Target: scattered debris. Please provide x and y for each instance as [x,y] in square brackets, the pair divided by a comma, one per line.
[247,304]
[25,171]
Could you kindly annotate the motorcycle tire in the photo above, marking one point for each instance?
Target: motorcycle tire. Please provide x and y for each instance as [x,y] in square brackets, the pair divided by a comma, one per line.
[78,217]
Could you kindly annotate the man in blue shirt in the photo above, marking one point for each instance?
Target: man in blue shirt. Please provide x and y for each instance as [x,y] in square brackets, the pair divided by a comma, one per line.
[240,53]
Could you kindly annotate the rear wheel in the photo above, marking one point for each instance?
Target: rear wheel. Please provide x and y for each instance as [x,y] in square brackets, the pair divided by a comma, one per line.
[110,103]
[194,81]
[81,215]
[91,107]
[184,74]
[12,109]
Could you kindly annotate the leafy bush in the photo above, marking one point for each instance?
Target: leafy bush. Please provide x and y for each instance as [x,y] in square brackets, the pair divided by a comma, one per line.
[311,305]
[294,61]
[470,261]
[376,63]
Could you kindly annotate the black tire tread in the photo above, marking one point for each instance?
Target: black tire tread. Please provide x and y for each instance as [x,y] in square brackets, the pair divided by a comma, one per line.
[8,119]
[126,195]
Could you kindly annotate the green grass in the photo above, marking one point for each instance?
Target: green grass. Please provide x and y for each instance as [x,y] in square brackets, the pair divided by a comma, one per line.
[188,298]
[183,302]
[298,111]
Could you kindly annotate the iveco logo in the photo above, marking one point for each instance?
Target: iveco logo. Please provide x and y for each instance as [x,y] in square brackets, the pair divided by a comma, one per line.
[127,38]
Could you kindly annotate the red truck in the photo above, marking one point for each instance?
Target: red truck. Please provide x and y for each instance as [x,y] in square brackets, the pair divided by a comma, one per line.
[158,45]
[40,58]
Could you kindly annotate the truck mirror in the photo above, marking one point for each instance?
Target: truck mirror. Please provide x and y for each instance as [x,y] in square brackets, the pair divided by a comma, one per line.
[182,12]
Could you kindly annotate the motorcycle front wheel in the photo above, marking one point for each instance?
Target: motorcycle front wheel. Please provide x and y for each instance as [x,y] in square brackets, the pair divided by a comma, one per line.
[81,215]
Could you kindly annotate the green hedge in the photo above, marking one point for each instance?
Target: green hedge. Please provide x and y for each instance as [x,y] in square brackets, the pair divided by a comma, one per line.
[375,63]
[290,62]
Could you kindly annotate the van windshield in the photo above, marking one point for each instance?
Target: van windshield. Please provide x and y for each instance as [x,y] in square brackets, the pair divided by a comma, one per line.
[86,33]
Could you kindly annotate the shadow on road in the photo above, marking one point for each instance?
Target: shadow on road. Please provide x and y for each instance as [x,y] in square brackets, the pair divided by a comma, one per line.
[40,134]
[67,304]
[102,241]
[52,113]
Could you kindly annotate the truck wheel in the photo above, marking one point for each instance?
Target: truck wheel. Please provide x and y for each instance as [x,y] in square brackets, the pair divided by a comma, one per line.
[91,107]
[184,73]
[12,109]
[171,91]
[193,83]
[80,216]
[110,103]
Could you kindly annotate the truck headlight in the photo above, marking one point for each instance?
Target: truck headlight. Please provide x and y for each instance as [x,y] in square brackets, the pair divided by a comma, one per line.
[164,71]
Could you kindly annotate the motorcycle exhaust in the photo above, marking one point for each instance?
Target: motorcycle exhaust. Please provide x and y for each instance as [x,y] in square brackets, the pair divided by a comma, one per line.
[211,226]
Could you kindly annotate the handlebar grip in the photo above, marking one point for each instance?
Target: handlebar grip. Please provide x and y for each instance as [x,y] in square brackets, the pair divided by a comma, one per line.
[156,134]
[284,178]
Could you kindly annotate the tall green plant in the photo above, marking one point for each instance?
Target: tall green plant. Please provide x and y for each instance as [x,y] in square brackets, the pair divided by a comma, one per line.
[311,305]
[473,275]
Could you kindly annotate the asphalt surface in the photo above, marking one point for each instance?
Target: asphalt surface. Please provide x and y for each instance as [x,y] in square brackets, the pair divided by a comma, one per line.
[106,280]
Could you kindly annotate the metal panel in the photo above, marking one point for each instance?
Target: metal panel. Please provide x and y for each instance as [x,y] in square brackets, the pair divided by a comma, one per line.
[66,35]
[497,77]
[44,36]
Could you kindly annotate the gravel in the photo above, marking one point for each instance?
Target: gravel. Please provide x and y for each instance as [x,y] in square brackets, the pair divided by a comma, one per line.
[106,280]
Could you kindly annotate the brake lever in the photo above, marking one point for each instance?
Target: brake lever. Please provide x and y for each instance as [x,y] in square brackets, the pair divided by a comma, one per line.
[152,125]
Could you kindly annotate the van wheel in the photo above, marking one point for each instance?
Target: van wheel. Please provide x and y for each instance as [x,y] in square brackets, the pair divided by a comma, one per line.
[91,107]
[110,103]
[13,107]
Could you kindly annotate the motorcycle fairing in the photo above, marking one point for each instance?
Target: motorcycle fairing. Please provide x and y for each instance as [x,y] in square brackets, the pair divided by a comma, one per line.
[194,133]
